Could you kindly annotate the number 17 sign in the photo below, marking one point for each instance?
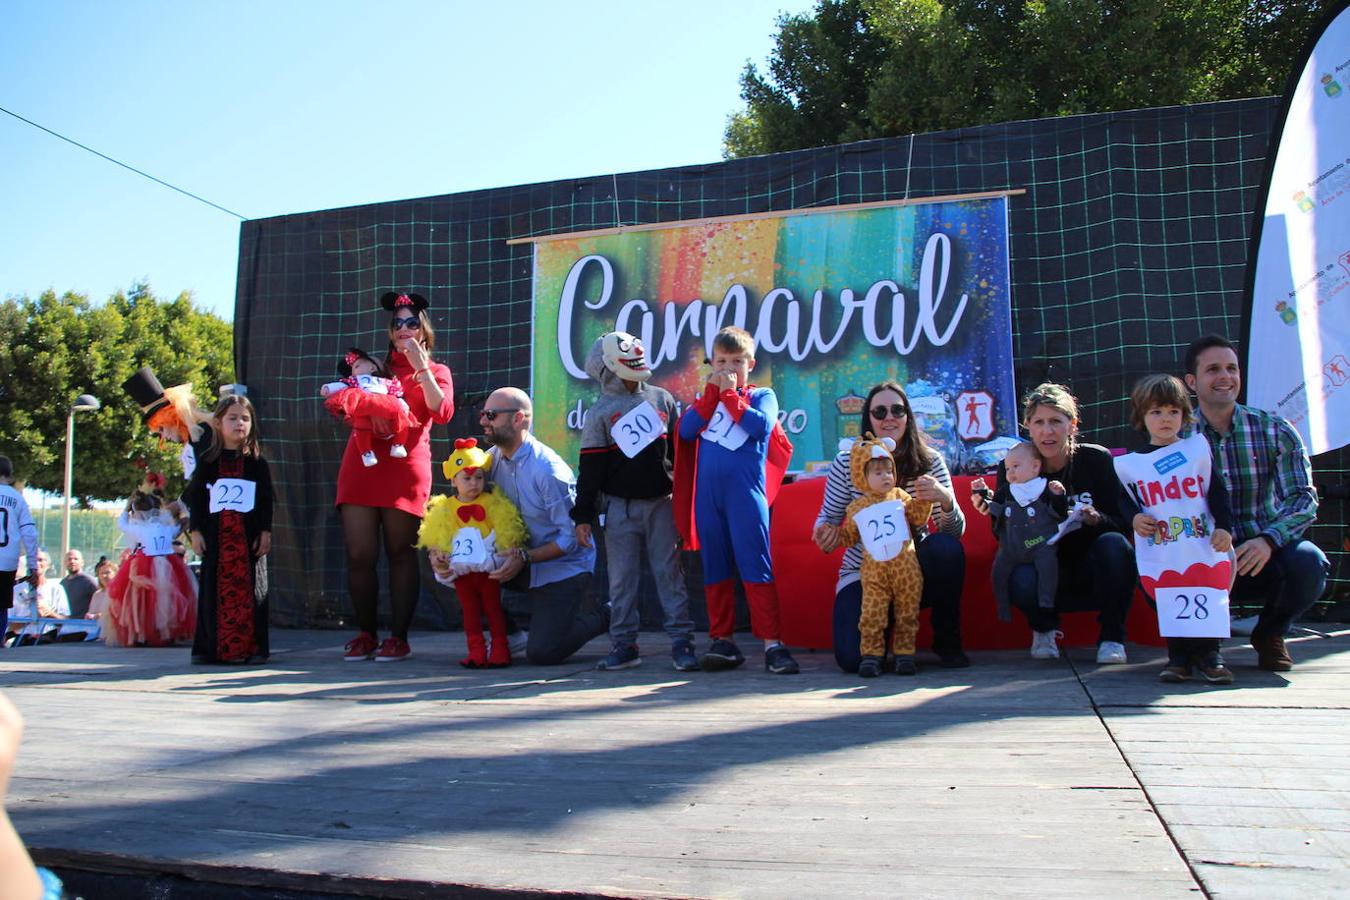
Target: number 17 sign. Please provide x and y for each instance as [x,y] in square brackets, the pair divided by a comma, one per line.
[1200,612]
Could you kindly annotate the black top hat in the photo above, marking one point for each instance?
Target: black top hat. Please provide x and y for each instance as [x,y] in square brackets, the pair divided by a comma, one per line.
[351,356]
[394,299]
[146,390]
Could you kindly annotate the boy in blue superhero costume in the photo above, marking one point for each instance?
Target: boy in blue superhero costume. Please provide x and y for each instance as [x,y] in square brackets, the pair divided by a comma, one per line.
[729,437]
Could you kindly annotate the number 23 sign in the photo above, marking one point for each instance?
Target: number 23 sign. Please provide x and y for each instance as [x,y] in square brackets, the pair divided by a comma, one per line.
[884,529]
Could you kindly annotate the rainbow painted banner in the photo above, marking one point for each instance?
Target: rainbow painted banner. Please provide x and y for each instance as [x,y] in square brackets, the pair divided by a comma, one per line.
[837,300]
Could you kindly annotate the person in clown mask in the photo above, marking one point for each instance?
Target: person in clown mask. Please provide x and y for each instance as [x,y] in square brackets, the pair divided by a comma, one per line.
[624,483]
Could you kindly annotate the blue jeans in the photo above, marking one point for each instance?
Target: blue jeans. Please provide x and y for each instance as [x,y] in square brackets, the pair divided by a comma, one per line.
[1102,579]
[1291,581]
[943,561]
[564,615]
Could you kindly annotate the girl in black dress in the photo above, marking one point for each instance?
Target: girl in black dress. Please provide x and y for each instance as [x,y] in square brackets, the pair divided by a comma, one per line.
[229,502]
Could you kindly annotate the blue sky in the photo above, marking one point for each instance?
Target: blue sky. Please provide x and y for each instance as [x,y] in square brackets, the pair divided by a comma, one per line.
[268,108]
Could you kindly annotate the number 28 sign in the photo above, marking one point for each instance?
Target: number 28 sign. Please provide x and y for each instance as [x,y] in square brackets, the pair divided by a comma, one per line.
[1192,612]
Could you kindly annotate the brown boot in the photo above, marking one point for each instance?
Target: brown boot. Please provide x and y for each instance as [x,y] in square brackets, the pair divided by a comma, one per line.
[1271,654]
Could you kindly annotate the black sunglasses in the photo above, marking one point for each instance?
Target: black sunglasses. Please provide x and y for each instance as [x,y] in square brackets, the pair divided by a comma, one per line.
[413,322]
[896,410]
[493,413]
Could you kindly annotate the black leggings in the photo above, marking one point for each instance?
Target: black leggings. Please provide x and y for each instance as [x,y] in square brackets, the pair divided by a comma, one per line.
[361,528]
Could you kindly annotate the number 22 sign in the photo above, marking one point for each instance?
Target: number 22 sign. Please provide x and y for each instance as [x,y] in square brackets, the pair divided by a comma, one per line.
[233,495]
[884,529]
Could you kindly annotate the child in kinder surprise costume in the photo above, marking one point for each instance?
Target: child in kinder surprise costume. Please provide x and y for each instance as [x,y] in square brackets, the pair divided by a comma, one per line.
[1155,478]
[624,480]
[890,573]
[172,414]
[152,600]
[729,464]
[1027,513]
[369,400]
[467,535]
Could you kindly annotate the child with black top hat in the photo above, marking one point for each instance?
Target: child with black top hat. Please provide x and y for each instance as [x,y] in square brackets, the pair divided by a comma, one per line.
[173,414]
[372,403]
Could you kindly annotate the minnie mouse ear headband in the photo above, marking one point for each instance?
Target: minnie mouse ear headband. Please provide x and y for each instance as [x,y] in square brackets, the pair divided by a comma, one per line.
[350,358]
[467,457]
[394,301]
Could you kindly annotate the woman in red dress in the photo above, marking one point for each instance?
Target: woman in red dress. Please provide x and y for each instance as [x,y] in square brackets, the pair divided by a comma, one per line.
[382,505]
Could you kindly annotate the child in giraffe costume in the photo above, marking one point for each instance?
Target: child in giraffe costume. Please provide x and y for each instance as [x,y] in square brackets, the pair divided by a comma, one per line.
[896,581]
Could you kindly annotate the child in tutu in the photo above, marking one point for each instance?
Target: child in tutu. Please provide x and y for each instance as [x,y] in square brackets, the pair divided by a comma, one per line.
[468,535]
[372,403]
[152,600]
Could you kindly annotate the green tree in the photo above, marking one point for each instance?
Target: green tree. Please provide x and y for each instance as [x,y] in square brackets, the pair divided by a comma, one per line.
[56,348]
[858,69]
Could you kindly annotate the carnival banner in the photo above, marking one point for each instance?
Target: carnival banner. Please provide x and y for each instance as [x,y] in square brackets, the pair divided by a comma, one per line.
[1178,568]
[836,300]
[1298,349]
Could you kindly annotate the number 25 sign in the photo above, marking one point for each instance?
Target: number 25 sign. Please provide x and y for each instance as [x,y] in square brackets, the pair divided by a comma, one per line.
[884,529]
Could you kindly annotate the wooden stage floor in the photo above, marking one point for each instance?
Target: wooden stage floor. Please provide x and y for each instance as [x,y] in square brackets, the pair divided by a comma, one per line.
[419,779]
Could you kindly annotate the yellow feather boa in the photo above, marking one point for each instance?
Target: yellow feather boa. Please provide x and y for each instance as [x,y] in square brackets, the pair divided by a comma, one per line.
[442,522]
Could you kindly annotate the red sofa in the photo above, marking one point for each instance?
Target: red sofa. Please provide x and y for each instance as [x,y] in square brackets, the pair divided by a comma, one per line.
[806,579]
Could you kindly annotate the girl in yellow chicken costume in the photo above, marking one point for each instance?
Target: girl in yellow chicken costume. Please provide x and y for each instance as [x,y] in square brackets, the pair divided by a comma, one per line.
[468,534]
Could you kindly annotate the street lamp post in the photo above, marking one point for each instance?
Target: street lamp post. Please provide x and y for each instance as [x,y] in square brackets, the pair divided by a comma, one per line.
[82,403]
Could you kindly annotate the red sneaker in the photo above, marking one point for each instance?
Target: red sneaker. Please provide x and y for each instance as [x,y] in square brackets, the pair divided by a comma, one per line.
[393,650]
[360,647]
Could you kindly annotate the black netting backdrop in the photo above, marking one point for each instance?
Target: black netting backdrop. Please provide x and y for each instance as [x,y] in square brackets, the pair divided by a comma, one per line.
[1130,240]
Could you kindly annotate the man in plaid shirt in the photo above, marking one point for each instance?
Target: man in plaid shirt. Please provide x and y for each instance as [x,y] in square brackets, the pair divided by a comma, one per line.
[1270,487]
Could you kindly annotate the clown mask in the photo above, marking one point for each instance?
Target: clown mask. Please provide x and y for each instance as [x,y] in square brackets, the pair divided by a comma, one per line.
[624,356]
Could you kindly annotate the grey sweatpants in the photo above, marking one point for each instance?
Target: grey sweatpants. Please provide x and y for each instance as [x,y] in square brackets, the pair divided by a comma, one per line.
[631,525]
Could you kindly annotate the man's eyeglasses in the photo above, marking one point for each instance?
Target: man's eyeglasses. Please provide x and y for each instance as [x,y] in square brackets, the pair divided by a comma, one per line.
[896,411]
[493,413]
[412,322]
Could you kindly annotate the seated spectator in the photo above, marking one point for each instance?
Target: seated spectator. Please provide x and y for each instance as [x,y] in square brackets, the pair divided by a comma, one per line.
[98,604]
[78,584]
[44,600]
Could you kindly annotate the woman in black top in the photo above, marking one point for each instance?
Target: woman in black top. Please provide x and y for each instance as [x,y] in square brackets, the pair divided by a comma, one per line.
[1096,561]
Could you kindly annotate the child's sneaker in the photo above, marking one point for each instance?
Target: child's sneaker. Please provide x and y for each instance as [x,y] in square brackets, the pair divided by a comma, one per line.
[393,650]
[682,655]
[361,647]
[368,459]
[398,451]
[1111,653]
[1043,644]
[722,654]
[870,667]
[905,665]
[621,656]
[1175,672]
[778,661]
[1214,671]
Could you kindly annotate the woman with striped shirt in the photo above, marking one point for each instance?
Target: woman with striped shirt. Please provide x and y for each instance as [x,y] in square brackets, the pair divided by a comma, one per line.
[922,473]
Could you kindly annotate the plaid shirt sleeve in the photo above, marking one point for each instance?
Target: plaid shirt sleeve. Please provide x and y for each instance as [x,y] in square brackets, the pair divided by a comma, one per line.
[1269,477]
[1294,502]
